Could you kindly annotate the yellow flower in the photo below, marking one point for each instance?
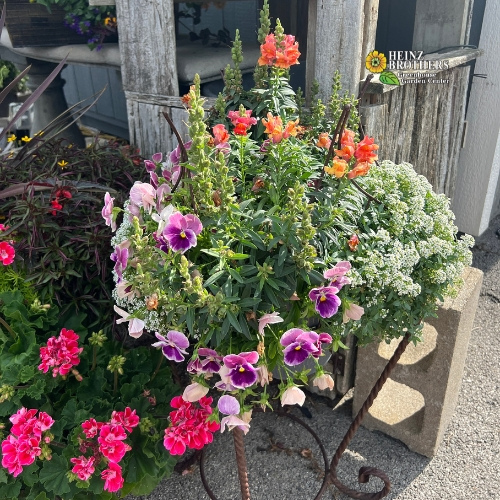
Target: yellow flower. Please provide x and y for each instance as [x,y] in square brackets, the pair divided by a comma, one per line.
[62,164]
[376,62]
[11,138]
[26,139]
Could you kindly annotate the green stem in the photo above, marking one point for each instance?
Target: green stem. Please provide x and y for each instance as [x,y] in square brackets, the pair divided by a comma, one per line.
[158,366]
[8,328]
[115,386]
[94,358]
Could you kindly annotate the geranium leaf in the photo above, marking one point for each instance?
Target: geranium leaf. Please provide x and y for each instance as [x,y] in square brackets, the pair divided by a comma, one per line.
[53,475]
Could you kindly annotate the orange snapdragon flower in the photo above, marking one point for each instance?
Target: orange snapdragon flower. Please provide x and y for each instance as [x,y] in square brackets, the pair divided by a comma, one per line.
[324,140]
[282,55]
[353,242]
[338,168]
[365,151]
[347,146]
[221,135]
[274,128]
[361,168]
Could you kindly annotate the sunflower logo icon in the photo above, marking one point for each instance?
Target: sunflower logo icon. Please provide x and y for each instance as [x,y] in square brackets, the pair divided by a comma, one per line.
[376,62]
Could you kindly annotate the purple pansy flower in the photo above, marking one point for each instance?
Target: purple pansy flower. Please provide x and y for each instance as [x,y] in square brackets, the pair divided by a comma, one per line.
[175,155]
[323,338]
[336,275]
[229,406]
[212,361]
[241,372]
[120,258]
[298,345]
[327,302]
[173,345]
[224,383]
[181,231]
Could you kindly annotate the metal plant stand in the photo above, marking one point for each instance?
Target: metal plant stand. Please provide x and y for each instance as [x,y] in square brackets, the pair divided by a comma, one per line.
[330,468]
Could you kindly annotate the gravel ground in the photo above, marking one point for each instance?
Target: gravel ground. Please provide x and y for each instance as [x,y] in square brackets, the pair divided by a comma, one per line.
[284,463]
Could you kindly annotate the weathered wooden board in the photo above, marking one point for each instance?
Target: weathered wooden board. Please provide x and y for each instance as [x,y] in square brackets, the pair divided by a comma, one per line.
[422,124]
[335,42]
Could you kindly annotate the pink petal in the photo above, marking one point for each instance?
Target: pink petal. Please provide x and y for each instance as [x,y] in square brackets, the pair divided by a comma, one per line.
[290,335]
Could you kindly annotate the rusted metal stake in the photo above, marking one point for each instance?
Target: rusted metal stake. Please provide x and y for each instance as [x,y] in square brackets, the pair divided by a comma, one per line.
[241,462]
[365,472]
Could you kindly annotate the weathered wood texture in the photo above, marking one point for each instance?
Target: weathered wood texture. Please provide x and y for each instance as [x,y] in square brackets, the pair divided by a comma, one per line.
[149,65]
[441,23]
[335,42]
[422,124]
[369,32]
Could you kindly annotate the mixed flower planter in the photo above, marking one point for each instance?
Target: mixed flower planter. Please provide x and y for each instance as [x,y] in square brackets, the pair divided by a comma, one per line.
[272,214]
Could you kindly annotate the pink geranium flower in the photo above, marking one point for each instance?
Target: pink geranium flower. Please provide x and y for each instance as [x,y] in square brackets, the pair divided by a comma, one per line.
[113,480]
[84,467]
[7,253]
[128,418]
[61,353]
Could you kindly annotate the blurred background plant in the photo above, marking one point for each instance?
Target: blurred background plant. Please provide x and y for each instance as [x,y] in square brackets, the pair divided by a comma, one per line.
[51,202]
[96,23]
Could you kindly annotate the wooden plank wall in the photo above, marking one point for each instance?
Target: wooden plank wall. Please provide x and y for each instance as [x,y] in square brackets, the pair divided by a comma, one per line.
[422,124]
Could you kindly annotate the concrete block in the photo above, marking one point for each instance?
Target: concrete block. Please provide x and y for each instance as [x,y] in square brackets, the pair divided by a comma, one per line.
[419,399]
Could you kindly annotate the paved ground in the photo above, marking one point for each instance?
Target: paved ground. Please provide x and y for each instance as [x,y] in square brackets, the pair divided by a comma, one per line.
[284,463]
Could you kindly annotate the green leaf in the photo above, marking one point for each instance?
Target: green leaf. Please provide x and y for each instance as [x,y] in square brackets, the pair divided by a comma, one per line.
[53,475]
[213,278]
[3,476]
[389,78]
[10,490]
[234,321]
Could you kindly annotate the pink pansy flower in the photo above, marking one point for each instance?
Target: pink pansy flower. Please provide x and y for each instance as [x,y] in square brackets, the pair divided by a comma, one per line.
[269,319]
[225,380]
[323,382]
[135,326]
[298,345]
[229,406]
[124,290]
[83,468]
[242,374]
[143,195]
[194,392]
[293,396]
[353,312]
[113,480]
[107,212]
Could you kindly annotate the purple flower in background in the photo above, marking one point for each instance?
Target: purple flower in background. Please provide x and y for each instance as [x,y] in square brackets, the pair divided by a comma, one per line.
[336,275]
[181,231]
[298,345]
[173,345]
[175,155]
[120,258]
[327,302]
[212,361]
[107,211]
[228,405]
[323,338]
[241,372]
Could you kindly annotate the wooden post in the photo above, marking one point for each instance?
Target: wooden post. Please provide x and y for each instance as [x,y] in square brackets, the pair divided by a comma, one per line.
[477,194]
[335,42]
[149,70]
